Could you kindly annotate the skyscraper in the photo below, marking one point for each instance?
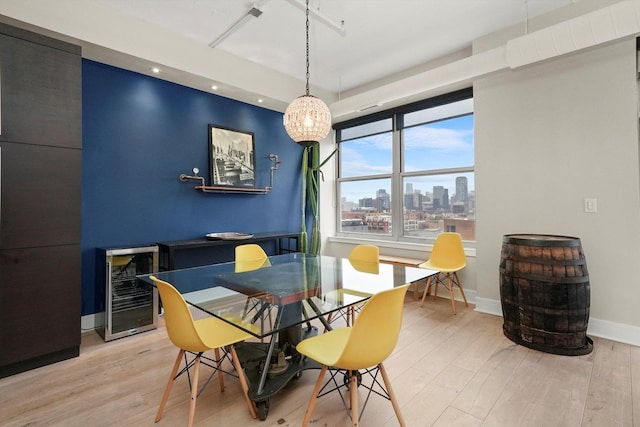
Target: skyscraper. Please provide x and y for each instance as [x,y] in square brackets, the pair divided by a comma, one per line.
[367,202]
[383,200]
[408,188]
[408,201]
[440,197]
[462,192]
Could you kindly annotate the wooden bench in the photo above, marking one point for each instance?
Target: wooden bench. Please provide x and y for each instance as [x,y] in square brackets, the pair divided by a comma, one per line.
[409,262]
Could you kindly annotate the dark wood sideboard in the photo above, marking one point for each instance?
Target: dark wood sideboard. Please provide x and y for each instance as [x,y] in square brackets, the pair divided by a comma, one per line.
[195,252]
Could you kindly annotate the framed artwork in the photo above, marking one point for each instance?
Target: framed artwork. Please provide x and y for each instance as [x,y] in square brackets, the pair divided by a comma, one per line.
[231,157]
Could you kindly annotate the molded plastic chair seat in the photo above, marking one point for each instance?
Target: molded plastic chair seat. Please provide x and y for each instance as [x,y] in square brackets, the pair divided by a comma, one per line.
[448,258]
[367,253]
[251,257]
[195,337]
[364,258]
[362,347]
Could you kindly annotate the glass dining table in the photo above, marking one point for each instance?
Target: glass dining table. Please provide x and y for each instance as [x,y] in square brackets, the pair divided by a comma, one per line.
[280,302]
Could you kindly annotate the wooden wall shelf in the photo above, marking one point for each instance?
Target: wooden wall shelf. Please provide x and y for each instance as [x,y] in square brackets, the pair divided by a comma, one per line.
[223,189]
[228,189]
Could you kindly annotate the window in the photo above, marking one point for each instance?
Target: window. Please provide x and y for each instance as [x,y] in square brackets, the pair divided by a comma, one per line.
[412,166]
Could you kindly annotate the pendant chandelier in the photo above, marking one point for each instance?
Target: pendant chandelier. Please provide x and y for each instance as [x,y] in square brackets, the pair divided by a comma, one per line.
[307,119]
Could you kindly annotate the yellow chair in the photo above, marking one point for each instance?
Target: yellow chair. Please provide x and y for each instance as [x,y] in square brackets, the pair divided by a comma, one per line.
[250,257]
[448,258]
[196,337]
[366,253]
[362,347]
[364,258]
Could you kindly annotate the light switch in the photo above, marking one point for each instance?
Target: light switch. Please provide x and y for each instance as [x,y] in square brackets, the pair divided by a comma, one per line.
[591,205]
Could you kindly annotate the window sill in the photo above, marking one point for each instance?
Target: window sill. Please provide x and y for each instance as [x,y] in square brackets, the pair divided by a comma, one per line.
[419,248]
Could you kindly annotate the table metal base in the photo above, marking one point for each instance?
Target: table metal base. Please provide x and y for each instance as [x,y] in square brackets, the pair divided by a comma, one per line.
[253,357]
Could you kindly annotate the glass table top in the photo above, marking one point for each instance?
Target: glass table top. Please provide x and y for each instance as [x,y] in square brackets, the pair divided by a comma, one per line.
[286,290]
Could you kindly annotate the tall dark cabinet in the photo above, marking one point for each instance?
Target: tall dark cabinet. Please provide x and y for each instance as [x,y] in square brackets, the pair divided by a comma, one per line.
[40,196]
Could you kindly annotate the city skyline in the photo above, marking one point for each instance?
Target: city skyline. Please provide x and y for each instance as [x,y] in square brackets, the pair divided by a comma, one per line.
[368,188]
[452,196]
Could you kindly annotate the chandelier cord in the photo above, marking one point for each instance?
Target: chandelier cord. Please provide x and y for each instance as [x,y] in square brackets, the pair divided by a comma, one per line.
[307,119]
[307,47]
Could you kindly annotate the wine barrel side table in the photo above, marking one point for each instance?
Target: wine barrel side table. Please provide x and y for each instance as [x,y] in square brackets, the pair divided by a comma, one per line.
[544,292]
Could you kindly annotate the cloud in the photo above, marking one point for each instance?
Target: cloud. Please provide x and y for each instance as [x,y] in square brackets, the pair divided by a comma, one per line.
[426,147]
[380,141]
[366,156]
[441,139]
[358,165]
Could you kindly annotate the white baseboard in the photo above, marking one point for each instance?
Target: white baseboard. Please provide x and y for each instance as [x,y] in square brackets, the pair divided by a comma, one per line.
[489,306]
[599,328]
[444,293]
[88,322]
[614,331]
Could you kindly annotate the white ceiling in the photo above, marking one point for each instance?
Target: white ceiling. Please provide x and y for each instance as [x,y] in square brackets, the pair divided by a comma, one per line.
[381,37]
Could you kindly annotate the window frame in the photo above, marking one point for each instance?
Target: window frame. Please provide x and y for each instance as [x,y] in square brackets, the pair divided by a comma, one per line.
[397,175]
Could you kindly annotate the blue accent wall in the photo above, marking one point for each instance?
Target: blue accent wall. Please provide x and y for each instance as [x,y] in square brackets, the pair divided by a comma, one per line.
[139,134]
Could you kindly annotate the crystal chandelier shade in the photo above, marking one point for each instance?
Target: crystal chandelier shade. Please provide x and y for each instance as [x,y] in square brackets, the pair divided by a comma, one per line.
[307,119]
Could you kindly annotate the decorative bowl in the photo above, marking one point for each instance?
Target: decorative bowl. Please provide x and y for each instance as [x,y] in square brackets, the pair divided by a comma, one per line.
[229,235]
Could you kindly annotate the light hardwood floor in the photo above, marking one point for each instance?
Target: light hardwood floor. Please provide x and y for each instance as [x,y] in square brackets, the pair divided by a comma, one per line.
[446,370]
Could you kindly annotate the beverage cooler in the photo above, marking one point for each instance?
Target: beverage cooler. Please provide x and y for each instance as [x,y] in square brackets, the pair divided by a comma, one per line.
[127,306]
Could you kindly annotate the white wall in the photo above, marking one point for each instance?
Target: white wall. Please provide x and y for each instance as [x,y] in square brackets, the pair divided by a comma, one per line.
[548,136]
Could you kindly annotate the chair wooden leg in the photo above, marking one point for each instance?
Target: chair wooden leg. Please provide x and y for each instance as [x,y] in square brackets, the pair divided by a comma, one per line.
[392,396]
[426,289]
[194,390]
[167,389]
[243,381]
[218,366]
[436,285]
[329,317]
[416,290]
[450,286]
[353,397]
[314,397]
[246,307]
[457,281]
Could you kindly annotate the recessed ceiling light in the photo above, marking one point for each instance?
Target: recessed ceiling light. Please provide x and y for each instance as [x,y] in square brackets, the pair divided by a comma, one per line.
[260,100]
[155,70]
[214,87]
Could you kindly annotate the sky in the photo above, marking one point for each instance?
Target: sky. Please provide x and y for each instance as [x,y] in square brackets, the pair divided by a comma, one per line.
[434,146]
